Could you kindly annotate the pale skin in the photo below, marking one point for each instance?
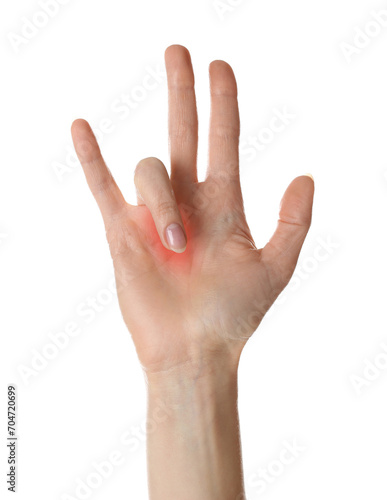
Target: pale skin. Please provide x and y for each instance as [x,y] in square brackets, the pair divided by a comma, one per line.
[192,301]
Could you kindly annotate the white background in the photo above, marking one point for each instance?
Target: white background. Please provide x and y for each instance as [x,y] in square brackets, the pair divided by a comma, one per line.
[297,372]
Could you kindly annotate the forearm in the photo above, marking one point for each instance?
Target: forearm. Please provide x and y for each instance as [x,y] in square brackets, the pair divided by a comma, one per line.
[193,438]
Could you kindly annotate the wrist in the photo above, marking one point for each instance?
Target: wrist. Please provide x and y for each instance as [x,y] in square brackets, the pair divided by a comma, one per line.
[209,374]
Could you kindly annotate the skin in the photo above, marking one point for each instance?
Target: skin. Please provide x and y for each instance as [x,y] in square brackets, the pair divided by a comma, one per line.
[191,309]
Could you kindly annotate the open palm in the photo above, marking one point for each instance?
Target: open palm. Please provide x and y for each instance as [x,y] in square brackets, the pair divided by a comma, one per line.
[190,280]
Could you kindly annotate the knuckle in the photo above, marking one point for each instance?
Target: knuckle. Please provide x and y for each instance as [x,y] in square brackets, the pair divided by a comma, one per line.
[184,130]
[146,167]
[103,185]
[165,207]
[225,133]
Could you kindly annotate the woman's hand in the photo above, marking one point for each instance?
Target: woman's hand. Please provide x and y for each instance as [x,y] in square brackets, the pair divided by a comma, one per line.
[191,283]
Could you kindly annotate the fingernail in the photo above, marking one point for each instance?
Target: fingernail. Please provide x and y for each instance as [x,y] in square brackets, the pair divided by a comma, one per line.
[311,176]
[176,238]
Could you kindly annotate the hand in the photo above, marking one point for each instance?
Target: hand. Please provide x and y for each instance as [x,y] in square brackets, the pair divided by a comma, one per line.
[190,281]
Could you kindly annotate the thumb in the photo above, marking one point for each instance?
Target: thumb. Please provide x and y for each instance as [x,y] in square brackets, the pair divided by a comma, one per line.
[295,216]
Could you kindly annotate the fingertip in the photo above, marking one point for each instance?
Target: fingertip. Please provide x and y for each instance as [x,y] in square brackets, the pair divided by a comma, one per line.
[178,64]
[305,182]
[219,64]
[222,78]
[176,238]
[297,201]
[301,184]
[85,142]
[176,51]
[79,124]
[81,134]
[180,250]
